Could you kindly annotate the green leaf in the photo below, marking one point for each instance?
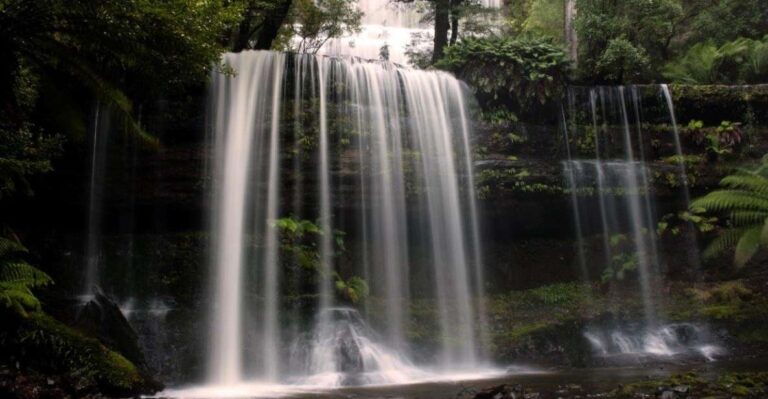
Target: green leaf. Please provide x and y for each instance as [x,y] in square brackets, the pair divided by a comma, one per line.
[747,246]
[764,233]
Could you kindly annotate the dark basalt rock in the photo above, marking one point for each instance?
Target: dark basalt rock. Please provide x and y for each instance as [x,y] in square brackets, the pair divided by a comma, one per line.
[504,391]
[103,319]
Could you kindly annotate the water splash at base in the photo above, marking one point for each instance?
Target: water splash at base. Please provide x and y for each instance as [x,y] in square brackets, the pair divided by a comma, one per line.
[667,341]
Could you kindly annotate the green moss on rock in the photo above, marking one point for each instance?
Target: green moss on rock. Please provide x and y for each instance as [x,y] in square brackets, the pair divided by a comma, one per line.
[41,343]
[694,385]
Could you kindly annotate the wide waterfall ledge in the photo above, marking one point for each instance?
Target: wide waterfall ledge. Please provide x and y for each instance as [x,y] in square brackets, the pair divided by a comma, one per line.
[423,246]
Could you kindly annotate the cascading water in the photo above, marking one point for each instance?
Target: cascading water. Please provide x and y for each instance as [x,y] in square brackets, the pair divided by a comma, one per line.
[388,27]
[417,215]
[99,141]
[613,196]
[620,182]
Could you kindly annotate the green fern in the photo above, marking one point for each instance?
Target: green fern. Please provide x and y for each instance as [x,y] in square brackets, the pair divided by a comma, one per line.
[10,247]
[743,197]
[18,278]
[747,218]
[736,62]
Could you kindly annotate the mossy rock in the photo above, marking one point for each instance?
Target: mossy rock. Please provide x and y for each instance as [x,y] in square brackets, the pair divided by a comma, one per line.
[555,342]
[693,385]
[41,343]
[714,103]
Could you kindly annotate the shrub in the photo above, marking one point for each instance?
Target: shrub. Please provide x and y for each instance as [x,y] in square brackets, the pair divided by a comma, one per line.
[511,72]
[623,62]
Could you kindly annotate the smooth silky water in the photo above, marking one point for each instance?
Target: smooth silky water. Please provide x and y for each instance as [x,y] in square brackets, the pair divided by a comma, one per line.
[612,196]
[253,348]
[257,347]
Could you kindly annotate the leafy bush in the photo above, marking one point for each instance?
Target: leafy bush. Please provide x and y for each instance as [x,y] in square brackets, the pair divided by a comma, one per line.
[353,290]
[505,71]
[623,62]
[117,51]
[24,152]
[624,39]
[716,141]
[624,260]
[299,252]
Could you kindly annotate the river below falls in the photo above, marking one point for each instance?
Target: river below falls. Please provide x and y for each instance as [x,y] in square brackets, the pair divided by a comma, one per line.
[548,383]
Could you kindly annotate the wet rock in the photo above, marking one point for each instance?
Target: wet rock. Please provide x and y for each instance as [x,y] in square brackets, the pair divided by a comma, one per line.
[681,389]
[667,394]
[102,318]
[505,391]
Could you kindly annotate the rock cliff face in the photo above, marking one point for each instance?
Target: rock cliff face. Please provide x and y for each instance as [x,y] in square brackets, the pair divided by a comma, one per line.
[525,209]
[154,240]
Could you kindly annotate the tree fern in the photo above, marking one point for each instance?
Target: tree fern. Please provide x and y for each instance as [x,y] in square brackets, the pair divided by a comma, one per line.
[727,240]
[747,218]
[23,274]
[743,199]
[10,247]
[740,61]
[750,182]
[697,66]
[18,278]
[731,200]
[747,247]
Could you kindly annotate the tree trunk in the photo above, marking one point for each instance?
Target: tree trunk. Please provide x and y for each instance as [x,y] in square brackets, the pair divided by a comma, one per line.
[271,25]
[442,25]
[571,36]
[455,20]
[242,36]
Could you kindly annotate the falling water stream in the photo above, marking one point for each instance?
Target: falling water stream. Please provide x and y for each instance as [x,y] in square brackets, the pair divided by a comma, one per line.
[412,130]
[98,160]
[613,196]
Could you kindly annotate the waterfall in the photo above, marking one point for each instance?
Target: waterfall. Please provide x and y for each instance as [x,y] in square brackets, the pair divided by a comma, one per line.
[390,25]
[615,187]
[610,150]
[412,178]
[98,161]
[243,114]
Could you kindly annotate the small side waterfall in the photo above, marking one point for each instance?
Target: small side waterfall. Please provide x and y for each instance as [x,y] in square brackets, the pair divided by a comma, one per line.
[98,160]
[413,184]
[613,195]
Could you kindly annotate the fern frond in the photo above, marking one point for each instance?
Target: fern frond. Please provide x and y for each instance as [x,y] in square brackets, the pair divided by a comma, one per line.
[10,247]
[22,274]
[19,299]
[725,241]
[764,233]
[730,200]
[749,182]
[747,218]
[747,246]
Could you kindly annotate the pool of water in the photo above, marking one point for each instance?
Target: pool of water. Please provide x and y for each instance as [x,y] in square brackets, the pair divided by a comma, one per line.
[547,382]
